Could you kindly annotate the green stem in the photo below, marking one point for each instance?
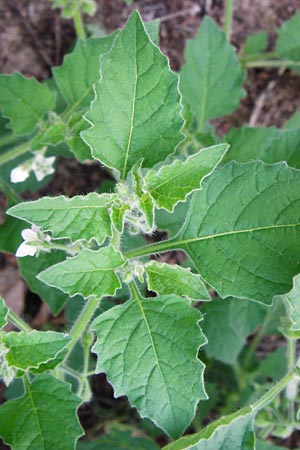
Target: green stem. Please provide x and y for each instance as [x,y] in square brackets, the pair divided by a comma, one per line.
[275,63]
[8,139]
[18,322]
[244,59]
[66,248]
[228,18]
[82,322]
[255,342]
[156,247]
[78,24]
[14,152]
[273,392]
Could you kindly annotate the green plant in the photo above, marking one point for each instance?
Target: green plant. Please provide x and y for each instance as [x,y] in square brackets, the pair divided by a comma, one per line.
[240,231]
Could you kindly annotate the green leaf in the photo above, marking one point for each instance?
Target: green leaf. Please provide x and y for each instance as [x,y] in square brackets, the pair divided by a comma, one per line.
[256,43]
[234,432]
[267,144]
[24,101]
[211,71]
[30,350]
[43,418]
[292,300]
[90,273]
[172,222]
[171,184]
[137,112]
[227,324]
[148,348]
[242,230]
[3,313]
[80,217]
[119,440]
[77,146]
[30,267]
[80,70]
[266,445]
[172,279]
[293,121]
[288,42]
[152,28]
[248,144]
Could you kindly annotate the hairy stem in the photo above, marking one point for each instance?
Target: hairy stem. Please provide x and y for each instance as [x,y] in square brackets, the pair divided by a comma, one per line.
[78,24]
[273,392]
[291,361]
[157,247]
[14,152]
[228,18]
[13,318]
[82,322]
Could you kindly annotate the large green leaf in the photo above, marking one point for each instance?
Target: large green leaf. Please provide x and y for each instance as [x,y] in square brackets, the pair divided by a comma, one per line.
[211,80]
[30,350]
[148,348]
[288,42]
[227,324]
[243,230]
[90,273]
[80,70]
[24,101]
[30,267]
[80,217]
[267,144]
[44,418]
[3,313]
[136,113]
[234,432]
[172,183]
[172,279]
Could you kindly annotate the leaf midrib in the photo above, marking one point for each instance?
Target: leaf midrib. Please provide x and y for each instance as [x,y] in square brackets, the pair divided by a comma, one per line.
[35,412]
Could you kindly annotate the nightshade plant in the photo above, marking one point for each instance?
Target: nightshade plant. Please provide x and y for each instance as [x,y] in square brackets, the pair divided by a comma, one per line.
[241,233]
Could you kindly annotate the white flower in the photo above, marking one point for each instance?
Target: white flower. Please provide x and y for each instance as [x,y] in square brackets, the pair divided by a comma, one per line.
[42,166]
[19,174]
[33,240]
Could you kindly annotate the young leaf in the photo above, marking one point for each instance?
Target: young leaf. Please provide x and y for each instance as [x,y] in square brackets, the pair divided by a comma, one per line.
[137,112]
[30,350]
[148,348]
[80,217]
[30,267]
[171,184]
[293,300]
[211,71]
[24,101]
[172,279]
[227,324]
[3,313]
[228,433]
[242,230]
[43,418]
[80,70]
[288,42]
[90,273]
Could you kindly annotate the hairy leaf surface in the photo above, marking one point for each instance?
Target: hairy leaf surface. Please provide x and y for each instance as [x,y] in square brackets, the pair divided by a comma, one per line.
[211,71]
[44,418]
[172,183]
[80,217]
[243,231]
[136,113]
[30,350]
[148,348]
[80,70]
[172,279]
[24,101]
[90,273]
[228,433]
